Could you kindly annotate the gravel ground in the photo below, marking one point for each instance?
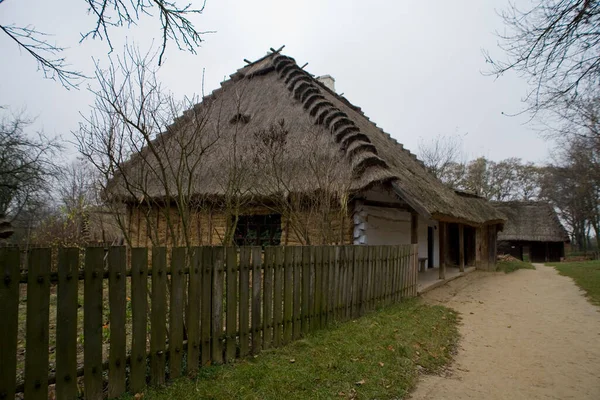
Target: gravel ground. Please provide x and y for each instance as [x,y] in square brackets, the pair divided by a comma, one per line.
[530,334]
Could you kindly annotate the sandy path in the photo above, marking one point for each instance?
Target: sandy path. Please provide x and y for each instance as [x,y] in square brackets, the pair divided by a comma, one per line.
[525,335]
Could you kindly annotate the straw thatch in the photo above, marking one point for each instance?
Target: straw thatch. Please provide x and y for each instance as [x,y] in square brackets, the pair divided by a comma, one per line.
[530,221]
[275,88]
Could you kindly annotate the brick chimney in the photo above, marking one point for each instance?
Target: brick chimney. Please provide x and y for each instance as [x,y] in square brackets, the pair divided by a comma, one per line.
[328,81]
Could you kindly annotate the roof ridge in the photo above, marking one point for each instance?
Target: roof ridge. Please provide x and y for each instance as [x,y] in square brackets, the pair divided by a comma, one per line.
[357,146]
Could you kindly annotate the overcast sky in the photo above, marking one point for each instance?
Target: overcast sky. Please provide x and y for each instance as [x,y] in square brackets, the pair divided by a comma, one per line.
[414,67]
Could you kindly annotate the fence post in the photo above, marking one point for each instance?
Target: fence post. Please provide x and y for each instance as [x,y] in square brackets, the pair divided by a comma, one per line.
[117,303]
[193,313]
[288,292]
[232,300]
[139,306]
[178,257]
[217,305]
[92,322]
[256,299]
[9,309]
[158,313]
[278,297]
[268,297]
[244,300]
[206,283]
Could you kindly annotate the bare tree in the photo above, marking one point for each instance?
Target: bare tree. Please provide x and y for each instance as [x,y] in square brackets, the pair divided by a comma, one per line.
[148,154]
[442,156]
[27,163]
[555,45]
[175,22]
[304,181]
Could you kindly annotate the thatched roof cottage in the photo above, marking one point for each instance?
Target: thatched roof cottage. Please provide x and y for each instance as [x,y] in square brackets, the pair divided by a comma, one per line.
[311,168]
[532,228]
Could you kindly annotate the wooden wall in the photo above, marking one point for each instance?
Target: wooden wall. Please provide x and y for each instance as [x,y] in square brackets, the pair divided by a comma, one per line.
[207,227]
[486,237]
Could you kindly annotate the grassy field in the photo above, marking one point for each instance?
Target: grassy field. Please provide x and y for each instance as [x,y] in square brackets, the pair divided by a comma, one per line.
[513,265]
[586,275]
[377,356]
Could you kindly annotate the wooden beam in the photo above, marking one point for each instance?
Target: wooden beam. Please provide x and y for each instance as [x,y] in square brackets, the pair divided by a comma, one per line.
[386,204]
[414,228]
[418,207]
[442,250]
[461,247]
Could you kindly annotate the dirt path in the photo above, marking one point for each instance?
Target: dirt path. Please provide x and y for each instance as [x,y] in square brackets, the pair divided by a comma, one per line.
[526,335]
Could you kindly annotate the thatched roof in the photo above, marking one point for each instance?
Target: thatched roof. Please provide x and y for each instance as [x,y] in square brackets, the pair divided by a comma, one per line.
[534,221]
[319,123]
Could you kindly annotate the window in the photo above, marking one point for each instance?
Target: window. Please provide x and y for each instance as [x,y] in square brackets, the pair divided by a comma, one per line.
[258,230]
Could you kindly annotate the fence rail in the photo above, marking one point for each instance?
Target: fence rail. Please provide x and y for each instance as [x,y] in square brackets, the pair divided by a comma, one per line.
[149,315]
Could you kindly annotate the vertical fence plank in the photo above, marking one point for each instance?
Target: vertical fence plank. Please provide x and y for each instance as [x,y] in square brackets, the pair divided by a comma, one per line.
[178,257]
[232,302]
[244,301]
[193,313]
[256,299]
[66,323]
[340,260]
[206,282]
[139,306]
[37,326]
[338,281]
[117,302]
[356,282]
[217,305]
[331,284]
[395,274]
[9,309]
[361,254]
[415,269]
[268,297]
[278,297]
[92,323]
[305,313]
[370,278]
[158,313]
[317,286]
[297,293]
[324,286]
[288,287]
[349,280]
[405,256]
[386,280]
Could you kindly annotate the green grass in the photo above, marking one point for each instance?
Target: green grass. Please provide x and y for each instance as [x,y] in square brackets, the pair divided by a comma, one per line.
[586,275]
[376,356]
[512,266]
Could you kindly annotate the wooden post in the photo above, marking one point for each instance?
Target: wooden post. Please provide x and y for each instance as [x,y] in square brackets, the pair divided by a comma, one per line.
[461,247]
[443,244]
[92,324]
[117,261]
[414,232]
[414,228]
[478,234]
[139,305]
[66,323]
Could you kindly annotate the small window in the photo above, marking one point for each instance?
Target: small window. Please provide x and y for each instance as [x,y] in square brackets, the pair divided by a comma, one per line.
[240,118]
[258,230]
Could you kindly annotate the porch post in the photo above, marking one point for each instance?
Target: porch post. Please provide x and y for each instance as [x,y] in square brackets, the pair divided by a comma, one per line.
[461,247]
[414,233]
[442,227]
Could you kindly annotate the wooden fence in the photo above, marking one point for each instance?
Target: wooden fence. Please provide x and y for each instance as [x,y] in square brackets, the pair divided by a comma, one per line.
[152,315]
